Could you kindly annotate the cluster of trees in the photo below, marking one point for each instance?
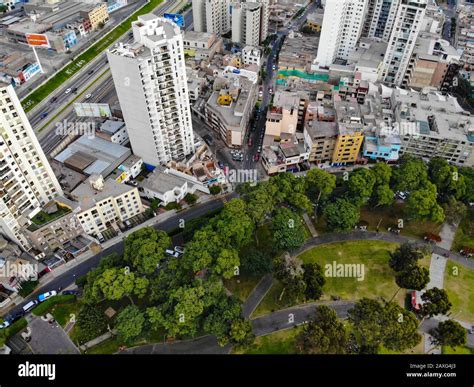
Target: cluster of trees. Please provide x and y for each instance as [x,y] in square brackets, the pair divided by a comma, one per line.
[408,273]
[301,281]
[372,324]
[181,295]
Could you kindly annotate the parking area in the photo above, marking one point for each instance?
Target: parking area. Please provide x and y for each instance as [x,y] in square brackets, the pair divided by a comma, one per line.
[49,338]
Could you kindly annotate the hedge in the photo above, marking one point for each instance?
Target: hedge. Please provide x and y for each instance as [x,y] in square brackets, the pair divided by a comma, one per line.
[13,329]
[45,306]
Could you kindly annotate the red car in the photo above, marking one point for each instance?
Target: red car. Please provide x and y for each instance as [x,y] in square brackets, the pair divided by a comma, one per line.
[249,143]
[256,157]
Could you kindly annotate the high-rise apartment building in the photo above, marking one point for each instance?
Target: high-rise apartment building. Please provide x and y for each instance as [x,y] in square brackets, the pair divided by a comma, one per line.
[407,25]
[342,26]
[150,78]
[246,20]
[380,18]
[26,179]
[211,16]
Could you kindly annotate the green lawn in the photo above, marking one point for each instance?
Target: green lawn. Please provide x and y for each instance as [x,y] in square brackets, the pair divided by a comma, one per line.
[63,313]
[278,343]
[385,217]
[241,286]
[459,283]
[378,277]
[457,351]
[42,217]
[83,59]
[465,233]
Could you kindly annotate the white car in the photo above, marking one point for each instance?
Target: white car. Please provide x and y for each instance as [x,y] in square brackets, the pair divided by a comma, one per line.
[45,296]
[88,96]
[5,324]
[179,249]
[172,253]
[68,90]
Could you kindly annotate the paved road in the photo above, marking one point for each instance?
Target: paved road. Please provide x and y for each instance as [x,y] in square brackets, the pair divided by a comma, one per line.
[206,345]
[291,317]
[257,295]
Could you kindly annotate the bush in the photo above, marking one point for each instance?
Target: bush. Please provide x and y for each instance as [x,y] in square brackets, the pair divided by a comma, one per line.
[27,287]
[45,306]
[91,323]
[81,281]
[191,198]
[13,329]
[215,190]
[173,206]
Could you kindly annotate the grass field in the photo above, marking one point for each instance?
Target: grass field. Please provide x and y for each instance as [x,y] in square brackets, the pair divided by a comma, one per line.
[63,313]
[378,278]
[465,233]
[457,351]
[83,59]
[278,343]
[389,217]
[459,283]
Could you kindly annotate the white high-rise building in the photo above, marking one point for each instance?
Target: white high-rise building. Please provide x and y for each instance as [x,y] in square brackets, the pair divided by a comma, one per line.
[342,26]
[26,179]
[246,20]
[407,25]
[211,16]
[150,78]
[380,18]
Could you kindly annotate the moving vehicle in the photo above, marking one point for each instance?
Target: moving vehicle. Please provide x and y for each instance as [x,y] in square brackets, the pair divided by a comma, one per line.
[432,238]
[68,90]
[249,143]
[90,72]
[45,296]
[43,115]
[30,305]
[53,100]
[208,140]
[88,96]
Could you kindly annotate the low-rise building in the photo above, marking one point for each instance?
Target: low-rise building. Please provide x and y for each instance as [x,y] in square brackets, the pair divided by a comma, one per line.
[128,170]
[286,157]
[202,45]
[434,125]
[166,187]
[104,204]
[320,139]
[113,131]
[251,56]
[229,108]
[350,133]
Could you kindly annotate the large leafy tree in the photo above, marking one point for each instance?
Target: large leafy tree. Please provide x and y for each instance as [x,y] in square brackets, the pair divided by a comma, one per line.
[145,248]
[376,324]
[422,204]
[450,333]
[405,256]
[411,175]
[220,317]
[435,301]
[468,174]
[260,201]
[341,215]
[319,183]
[449,182]
[324,334]
[130,323]
[415,277]
[116,283]
[255,263]
[289,271]
[314,279]
[233,224]
[382,173]
[288,232]
[360,185]
[383,195]
[454,210]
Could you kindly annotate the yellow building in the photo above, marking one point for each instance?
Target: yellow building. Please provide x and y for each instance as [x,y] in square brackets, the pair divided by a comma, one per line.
[315,21]
[97,15]
[348,144]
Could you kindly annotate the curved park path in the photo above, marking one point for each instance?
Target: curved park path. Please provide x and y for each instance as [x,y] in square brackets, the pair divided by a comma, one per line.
[293,316]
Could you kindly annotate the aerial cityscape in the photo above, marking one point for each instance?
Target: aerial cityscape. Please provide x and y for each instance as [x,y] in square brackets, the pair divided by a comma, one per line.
[232,177]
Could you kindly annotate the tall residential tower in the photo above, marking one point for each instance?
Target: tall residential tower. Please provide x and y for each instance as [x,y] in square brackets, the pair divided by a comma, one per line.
[150,78]
[26,178]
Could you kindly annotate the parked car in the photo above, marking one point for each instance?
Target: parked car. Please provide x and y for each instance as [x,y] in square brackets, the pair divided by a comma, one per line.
[172,253]
[100,237]
[249,143]
[30,305]
[208,140]
[45,296]
[5,324]
[179,249]
[256,157]
[128,224]
[70,292]
[432,238]
[402,195]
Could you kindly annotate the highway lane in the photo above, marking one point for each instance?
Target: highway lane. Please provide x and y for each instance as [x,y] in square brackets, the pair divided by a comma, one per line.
[81,79]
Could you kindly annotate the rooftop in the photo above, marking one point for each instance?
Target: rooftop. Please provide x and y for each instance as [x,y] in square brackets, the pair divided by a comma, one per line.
[162,182]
